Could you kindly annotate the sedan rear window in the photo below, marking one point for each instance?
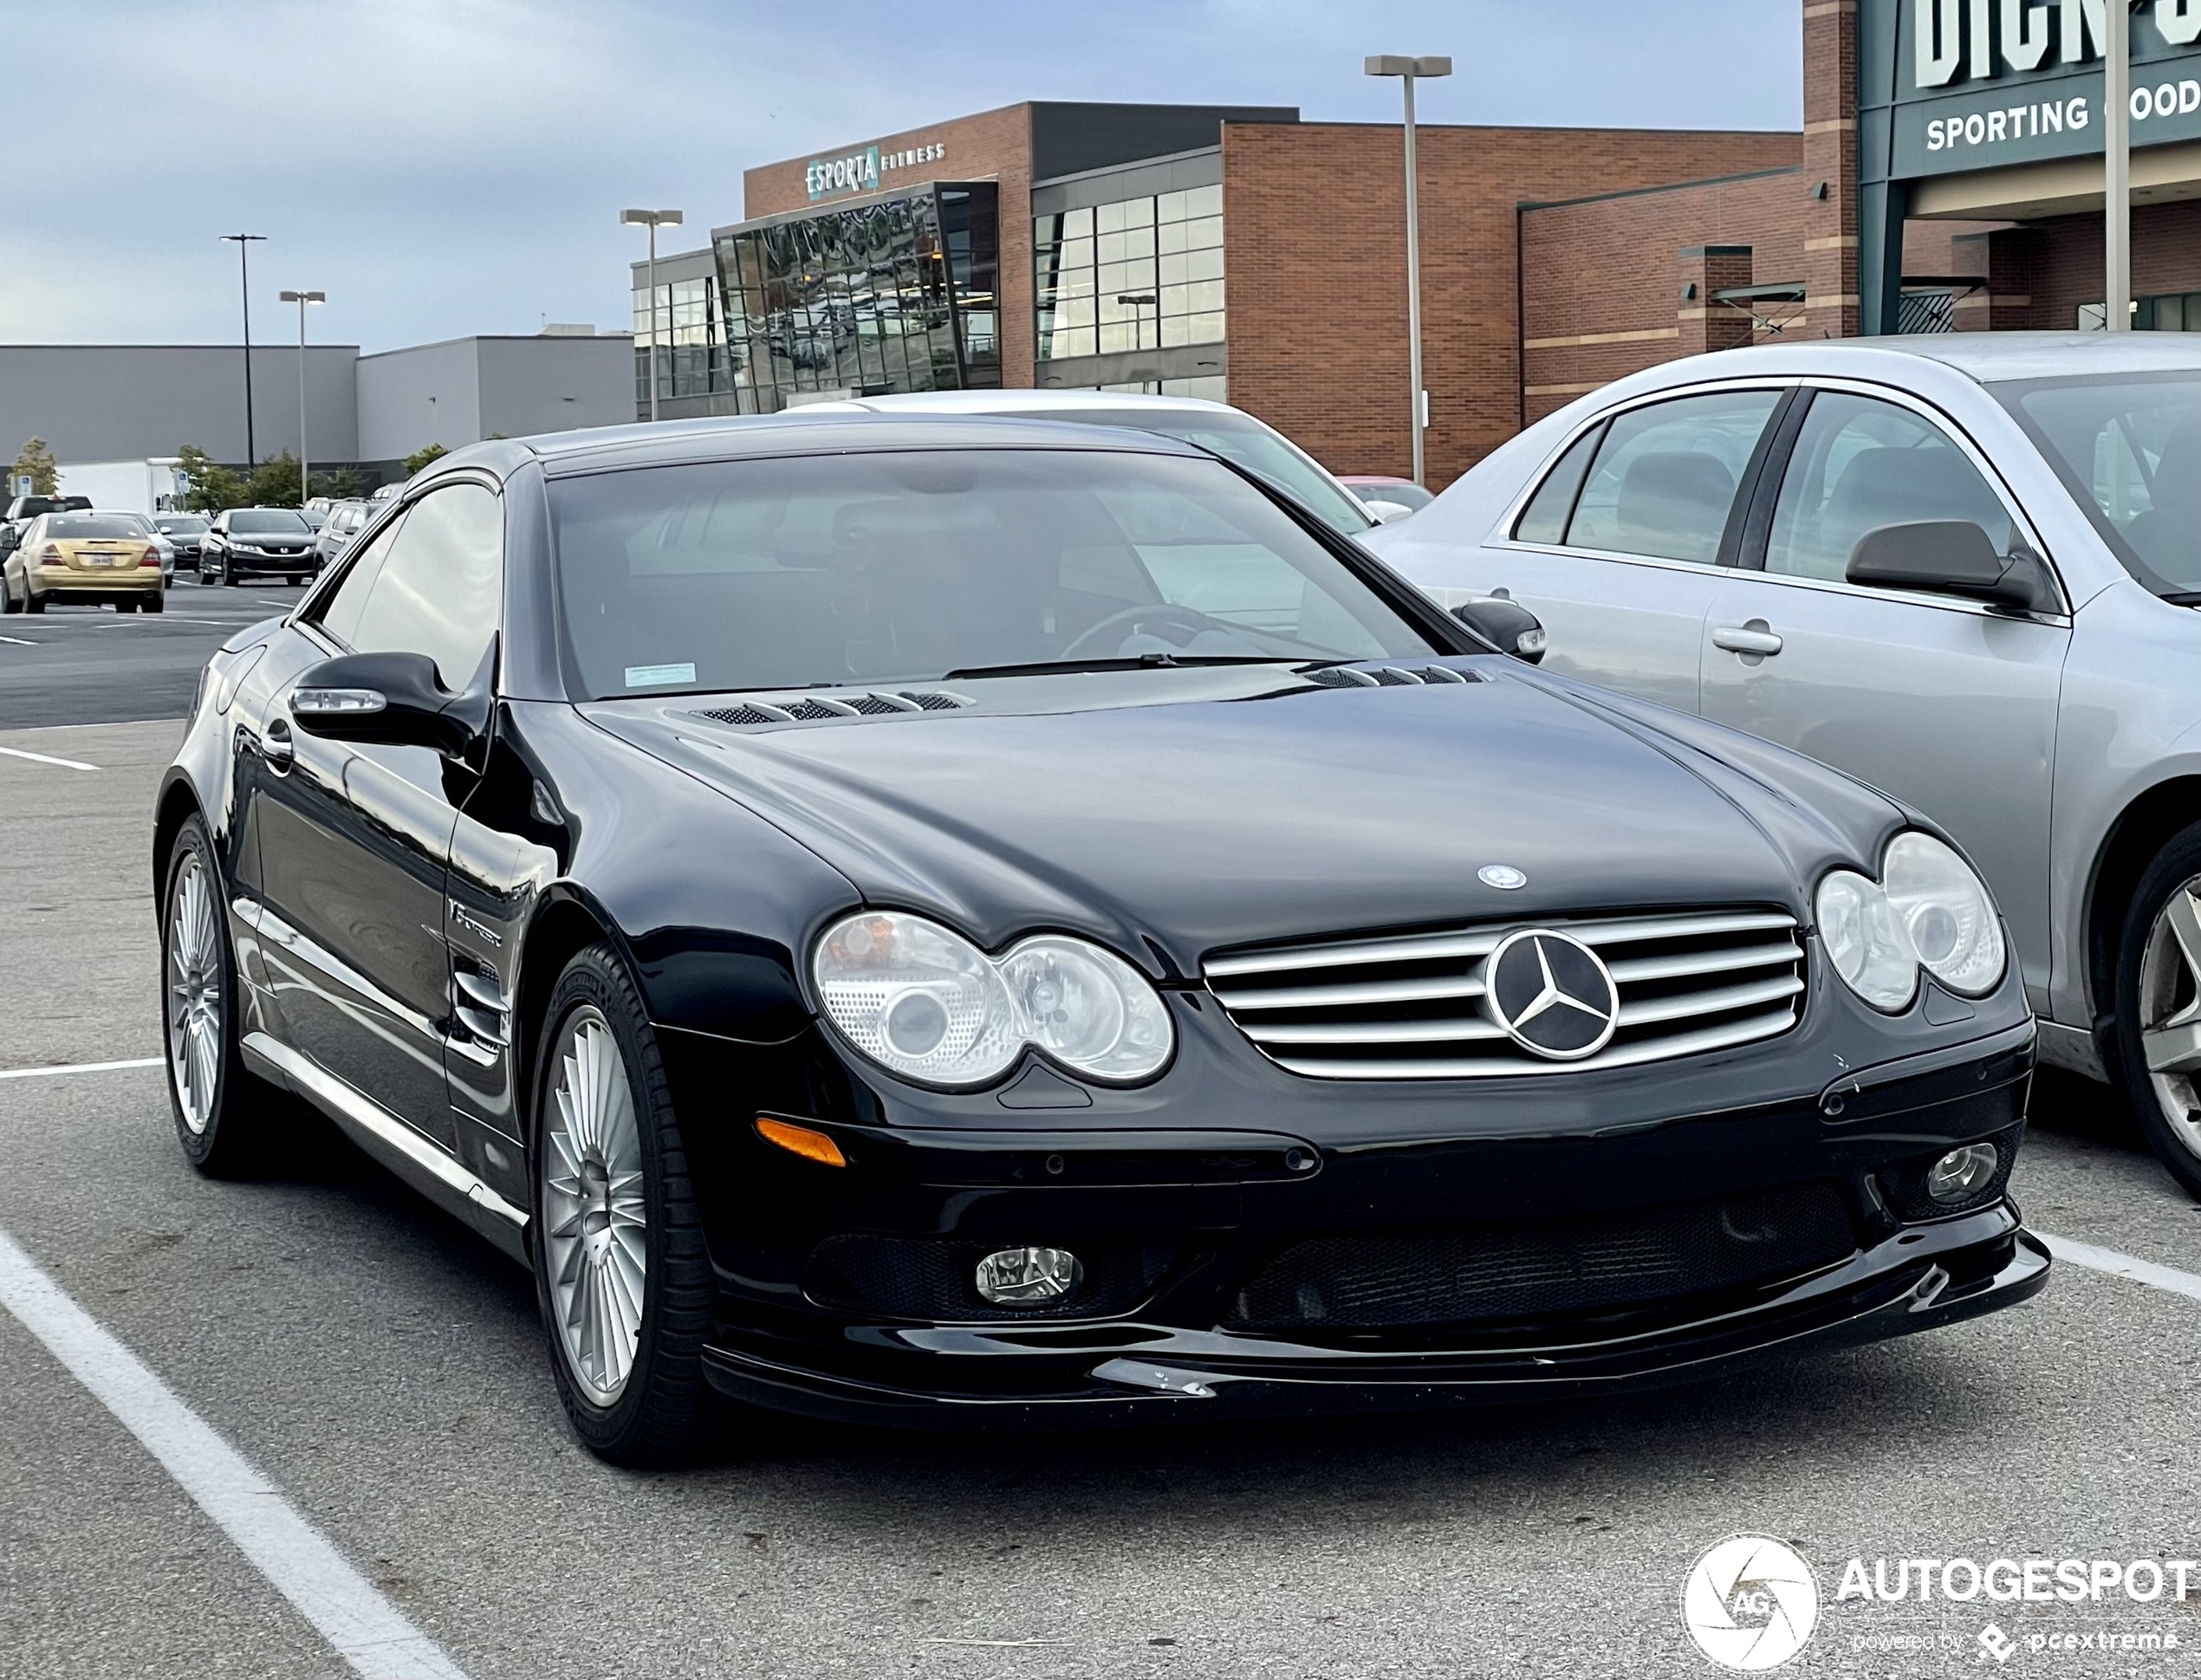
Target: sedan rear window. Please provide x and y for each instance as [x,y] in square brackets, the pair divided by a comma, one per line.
[911,567]
[2128,449]
[87,526]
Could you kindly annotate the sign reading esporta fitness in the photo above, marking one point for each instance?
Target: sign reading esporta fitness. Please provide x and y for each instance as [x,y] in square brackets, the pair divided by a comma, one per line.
[859,172]
[1982,83]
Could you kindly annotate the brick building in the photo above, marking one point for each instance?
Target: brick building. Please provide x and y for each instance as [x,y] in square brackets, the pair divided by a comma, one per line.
[1942,181]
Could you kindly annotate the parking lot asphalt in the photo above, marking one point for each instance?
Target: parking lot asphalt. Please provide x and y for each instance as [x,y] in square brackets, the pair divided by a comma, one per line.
[384,1368]
[93,664]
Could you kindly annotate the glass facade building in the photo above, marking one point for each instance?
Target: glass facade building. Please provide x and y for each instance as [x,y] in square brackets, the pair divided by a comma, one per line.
[898,292]
[1133,274]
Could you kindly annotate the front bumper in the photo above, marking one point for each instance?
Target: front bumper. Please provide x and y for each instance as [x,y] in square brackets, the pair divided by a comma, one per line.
[1146,1373]
[1204,1331]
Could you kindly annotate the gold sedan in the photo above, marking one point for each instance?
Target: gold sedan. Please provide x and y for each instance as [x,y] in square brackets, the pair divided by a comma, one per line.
[82,557]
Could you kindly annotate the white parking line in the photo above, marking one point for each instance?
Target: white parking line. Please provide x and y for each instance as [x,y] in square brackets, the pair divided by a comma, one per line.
[42,758]
[297,1560]
[2116,1265]
[19,642]
[76,1068]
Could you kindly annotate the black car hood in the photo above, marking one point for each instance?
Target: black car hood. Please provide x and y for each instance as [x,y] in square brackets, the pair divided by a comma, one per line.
[1186,811]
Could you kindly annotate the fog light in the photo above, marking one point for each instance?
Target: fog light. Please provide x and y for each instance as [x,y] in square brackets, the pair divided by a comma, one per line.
[1018,1277]
[1962,1173]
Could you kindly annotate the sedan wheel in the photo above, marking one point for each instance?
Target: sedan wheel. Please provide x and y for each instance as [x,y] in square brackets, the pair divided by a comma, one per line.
[219,1107]
[624,1279]
[2159,1007]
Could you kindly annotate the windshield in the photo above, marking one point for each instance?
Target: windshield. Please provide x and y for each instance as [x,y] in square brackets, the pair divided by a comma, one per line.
[907,567]
[268,522]
[2129,450]
[1238,438]
[181,527]
[94,526]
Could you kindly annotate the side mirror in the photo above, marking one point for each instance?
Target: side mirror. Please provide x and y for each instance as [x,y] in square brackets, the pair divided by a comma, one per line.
[391,698]
[1506,624]
[1951,557]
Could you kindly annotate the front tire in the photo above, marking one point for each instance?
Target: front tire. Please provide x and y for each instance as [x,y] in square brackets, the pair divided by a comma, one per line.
[622,1276]
[220,1108]
[2159,1007]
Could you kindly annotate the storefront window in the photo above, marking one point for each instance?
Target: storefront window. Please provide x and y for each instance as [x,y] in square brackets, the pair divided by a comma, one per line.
[682,339]
[895,295]
[1140,274]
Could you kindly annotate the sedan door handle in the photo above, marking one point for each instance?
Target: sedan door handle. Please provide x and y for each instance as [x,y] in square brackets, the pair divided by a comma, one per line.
[1755,637]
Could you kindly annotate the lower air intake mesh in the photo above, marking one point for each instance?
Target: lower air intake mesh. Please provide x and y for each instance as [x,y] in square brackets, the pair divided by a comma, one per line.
[1467,1274]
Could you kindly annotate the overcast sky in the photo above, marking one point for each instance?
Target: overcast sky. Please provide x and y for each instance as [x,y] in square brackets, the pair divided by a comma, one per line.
[442,168]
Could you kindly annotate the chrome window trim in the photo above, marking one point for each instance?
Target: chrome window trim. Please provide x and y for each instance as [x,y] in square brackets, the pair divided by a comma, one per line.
[2021,520]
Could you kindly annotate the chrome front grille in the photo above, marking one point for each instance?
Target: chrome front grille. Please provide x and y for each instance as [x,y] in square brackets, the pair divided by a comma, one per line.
[1411,1006]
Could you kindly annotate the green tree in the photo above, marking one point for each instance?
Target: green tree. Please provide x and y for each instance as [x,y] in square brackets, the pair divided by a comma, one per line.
[274,482]
[421,457]
[345,484]
[36,459]
[213,486]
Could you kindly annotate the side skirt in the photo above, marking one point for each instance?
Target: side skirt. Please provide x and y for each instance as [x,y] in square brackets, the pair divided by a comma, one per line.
[429,1170]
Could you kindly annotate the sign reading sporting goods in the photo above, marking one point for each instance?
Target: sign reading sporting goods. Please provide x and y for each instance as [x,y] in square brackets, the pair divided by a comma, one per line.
[1982,83]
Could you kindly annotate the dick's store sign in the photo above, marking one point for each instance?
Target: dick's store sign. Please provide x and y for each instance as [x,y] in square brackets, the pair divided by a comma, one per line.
[1982,83]
[861,172]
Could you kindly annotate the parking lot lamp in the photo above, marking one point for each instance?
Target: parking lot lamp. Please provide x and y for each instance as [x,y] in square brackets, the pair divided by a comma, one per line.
[652,219]
[1406,70]
[2117,168]
[245,241]
[302,299]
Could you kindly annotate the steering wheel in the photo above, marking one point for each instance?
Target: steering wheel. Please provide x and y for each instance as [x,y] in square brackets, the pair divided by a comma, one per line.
[1187,619]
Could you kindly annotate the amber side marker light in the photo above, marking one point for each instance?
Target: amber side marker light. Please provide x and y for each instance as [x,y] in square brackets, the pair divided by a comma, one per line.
[802,1140]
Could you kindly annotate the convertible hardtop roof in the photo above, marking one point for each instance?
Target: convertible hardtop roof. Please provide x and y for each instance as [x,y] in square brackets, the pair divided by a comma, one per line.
[799,432]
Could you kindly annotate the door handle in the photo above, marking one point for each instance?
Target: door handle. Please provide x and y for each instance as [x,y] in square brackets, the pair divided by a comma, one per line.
[1755,637]
[277,746]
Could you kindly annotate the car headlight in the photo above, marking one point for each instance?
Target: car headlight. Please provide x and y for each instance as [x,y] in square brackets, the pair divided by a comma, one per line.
[924,1002]
[1928,910]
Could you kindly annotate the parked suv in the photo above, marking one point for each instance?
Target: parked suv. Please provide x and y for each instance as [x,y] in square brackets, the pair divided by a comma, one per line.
[245,542]
[1963,568]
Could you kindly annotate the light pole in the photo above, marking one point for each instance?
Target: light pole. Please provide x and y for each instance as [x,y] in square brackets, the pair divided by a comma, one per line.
[652,219]
[2117,168]
[245,241]
[1139,301]
[1406,70]
[302,299]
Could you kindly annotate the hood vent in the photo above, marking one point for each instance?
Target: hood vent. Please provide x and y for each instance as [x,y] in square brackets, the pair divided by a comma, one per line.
[1388,676]
[844,703]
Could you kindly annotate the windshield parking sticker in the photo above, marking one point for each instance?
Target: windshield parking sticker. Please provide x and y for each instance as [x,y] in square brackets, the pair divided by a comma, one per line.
[655,676]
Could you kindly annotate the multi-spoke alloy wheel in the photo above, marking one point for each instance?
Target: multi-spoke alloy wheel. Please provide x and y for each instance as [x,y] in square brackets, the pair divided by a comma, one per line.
[622,1272]
[595,1220]
[195,1013]
[2157,1007]
[222,1110]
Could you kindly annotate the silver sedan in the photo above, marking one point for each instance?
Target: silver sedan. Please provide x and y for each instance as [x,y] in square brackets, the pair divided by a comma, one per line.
[1963,568]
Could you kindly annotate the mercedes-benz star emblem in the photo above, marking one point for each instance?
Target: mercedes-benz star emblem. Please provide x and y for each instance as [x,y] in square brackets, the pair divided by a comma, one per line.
[1551,994]
[1502,876]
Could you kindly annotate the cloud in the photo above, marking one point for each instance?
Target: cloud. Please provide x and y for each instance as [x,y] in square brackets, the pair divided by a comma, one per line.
[448,166]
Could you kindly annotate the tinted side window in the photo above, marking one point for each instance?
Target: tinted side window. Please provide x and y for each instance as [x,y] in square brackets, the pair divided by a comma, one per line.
[1860,463]
[440,586]
[1664,477]
[339,616]
[1544,520]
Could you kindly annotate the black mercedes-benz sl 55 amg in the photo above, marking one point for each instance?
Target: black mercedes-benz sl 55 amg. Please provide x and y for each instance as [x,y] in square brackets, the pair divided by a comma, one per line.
[980,921]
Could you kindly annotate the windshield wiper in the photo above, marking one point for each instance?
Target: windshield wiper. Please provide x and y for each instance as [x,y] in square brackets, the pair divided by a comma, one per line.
[1136,662]
[2184,598]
